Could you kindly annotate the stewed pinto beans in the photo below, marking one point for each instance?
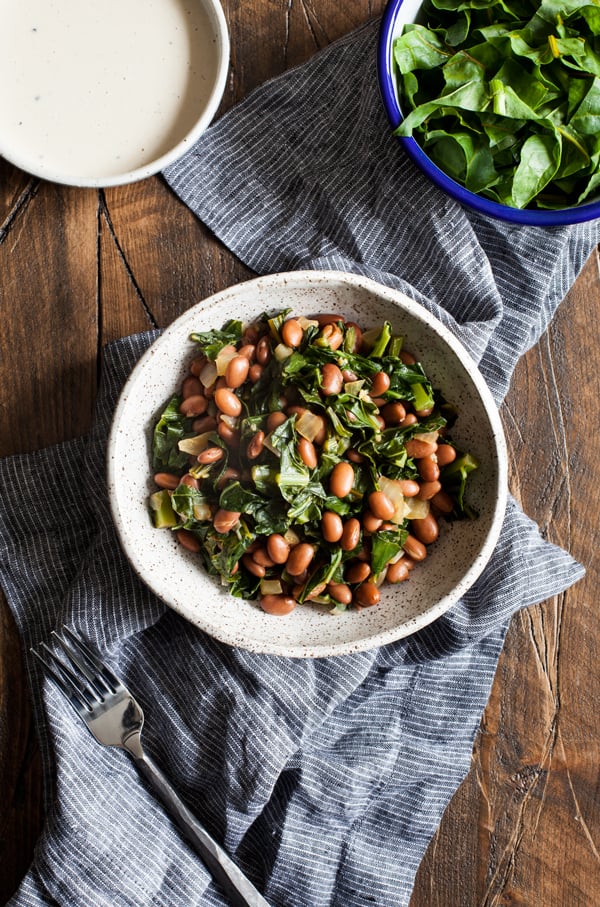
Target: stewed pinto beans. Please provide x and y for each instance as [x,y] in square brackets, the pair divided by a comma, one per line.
[307,460]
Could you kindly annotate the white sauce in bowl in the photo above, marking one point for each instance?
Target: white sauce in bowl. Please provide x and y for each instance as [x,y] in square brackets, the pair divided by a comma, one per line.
[97,92]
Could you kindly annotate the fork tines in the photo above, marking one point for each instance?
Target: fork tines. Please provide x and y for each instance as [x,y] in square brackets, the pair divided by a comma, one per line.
[100,680]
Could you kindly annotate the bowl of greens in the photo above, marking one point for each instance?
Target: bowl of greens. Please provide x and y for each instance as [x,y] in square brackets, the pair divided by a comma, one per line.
[307,464]
[499,104]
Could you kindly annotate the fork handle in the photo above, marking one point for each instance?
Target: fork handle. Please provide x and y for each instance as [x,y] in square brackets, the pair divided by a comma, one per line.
[239,889]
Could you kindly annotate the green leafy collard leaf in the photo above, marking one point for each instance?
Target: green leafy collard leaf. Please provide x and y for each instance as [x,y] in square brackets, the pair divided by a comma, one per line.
[419,48]
[465,157]
[540,159]
[474,95]
[385,545]
[454,480]
[168,431]
[509,113]
[188,502]
[212,342]
[591,14]
[268,514]
[586,119]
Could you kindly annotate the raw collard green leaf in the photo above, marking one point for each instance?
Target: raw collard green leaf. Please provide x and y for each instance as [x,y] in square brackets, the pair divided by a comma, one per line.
[504,95]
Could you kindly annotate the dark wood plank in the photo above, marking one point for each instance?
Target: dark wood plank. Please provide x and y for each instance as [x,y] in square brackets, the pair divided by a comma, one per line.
[524,826]
[48,345]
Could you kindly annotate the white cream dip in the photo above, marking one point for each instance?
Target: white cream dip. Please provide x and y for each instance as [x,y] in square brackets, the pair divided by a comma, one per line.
[94,89]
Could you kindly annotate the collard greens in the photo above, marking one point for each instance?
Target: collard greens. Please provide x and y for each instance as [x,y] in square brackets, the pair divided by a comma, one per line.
[505,96]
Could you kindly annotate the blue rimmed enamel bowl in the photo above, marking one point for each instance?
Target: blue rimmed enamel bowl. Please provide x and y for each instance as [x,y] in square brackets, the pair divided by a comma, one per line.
[399,13]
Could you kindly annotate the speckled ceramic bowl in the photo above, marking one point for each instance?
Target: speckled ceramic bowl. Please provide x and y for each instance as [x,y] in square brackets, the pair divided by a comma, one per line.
[177,576]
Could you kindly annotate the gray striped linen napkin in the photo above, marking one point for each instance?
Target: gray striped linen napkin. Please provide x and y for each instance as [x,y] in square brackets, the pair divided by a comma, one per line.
[325,779]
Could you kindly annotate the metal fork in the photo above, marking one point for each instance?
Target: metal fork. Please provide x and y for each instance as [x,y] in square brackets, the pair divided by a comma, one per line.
[115,719]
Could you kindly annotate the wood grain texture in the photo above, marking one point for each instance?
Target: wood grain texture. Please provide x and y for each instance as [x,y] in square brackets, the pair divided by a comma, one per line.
[524,828]
[79,268]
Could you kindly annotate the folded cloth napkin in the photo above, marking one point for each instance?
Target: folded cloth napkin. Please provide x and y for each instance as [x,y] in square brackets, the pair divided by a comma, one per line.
[325,778]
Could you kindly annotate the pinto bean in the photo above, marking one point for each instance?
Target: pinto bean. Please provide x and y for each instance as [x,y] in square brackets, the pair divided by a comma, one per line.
[409,488]
[380,384]
[445,454]
[428,490]
[263,351]
[341,479]
[350,535]
[381,506]
[193,406]
[371,522]
[426,530]
[340,592]
[332,336]
[367,595]
[188,540]
[307,452]
[332,380]
[275,419]
[357,571]
[228,402]
[261,556]
[191,387]
[166,480]
[397,573]
[278,548]
[277,604]
[393,413]
[300,557]
[255,372]
[428,468]
[443,502]
[331,526]
[225,520]
[415,548]
[255,445]
[204,423]
[252,567]
[417,449]
[211,455]
[292,333]
[237,371]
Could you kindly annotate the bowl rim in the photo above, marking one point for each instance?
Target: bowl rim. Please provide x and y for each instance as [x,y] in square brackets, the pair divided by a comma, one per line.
[215,10]
[387,85]
[483,553]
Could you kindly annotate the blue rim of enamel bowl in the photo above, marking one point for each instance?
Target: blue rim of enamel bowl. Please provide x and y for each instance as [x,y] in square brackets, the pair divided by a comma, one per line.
[387,86]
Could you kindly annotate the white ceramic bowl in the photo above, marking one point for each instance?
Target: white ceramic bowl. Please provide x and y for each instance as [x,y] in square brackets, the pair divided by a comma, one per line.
[101,94]
[177,576]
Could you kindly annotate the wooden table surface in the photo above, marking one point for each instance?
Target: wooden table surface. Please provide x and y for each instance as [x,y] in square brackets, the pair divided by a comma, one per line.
[80,267]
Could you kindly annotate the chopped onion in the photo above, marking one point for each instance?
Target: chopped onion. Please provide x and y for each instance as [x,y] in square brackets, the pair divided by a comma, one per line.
[208,375]
[310,425]
[416,509]
[269,445]
[430,436]
[291,537]
[404,508]
[282,352]
[230,421]
[202,511]
[305,322]
[393,489]
[224,357]
[195,445]
[270,587]
[354,387]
